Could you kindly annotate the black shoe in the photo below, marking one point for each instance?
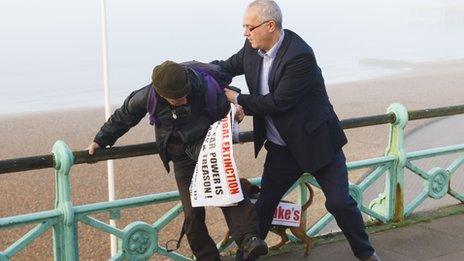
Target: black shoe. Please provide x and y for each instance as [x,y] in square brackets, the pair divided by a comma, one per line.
[254,247]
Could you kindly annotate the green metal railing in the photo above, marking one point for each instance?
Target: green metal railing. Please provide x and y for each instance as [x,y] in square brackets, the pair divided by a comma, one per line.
[139,240]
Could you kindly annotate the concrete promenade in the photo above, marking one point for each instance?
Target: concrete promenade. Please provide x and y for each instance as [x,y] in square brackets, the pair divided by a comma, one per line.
[439,239]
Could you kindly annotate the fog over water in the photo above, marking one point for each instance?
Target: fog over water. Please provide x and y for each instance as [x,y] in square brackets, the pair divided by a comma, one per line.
[50,50]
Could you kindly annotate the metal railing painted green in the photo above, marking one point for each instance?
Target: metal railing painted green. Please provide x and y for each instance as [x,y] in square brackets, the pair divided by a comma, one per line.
[139,240]
[80,157]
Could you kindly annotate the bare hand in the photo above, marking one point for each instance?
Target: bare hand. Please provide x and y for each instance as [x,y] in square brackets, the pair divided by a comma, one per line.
[92,147]
[231,95]
[239,114]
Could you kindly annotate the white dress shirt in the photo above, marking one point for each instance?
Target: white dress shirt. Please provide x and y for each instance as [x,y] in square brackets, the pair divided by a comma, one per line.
[268,58]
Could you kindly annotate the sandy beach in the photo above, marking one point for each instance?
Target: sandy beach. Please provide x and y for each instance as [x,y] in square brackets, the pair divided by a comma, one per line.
[426,85]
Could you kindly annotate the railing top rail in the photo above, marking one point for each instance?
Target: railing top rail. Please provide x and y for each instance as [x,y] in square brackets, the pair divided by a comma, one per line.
[47,161]
[29,218]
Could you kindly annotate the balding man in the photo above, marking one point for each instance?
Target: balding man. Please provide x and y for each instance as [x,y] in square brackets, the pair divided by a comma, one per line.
[294,120]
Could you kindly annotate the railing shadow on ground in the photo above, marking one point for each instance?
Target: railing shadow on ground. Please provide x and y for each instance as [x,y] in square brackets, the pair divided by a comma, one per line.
[139,240]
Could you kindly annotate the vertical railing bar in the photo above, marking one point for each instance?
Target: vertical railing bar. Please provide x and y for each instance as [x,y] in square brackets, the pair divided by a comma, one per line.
[65,244]
[395,181]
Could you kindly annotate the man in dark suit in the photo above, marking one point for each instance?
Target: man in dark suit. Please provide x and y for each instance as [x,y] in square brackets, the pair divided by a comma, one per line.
[293,118]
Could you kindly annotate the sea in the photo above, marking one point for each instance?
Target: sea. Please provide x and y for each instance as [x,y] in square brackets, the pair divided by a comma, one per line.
[51,50]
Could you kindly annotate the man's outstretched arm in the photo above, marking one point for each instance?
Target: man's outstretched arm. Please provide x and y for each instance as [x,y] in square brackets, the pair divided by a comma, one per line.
[128,115]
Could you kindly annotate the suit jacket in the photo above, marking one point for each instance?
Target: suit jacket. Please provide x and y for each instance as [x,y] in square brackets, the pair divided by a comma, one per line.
[297,103]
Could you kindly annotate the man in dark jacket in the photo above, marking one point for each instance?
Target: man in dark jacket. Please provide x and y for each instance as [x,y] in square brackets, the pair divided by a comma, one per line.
[177,103]
[292,112]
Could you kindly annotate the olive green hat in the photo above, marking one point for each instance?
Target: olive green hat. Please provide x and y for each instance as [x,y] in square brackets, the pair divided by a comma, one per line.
[170,80]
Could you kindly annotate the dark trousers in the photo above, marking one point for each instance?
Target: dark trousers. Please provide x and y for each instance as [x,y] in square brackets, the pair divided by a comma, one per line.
[242,220]
[281,171]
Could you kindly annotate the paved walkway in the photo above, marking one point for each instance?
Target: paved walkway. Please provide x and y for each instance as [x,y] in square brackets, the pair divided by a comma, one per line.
[439,239]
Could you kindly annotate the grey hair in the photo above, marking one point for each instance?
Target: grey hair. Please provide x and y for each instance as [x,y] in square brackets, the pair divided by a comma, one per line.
[268,10]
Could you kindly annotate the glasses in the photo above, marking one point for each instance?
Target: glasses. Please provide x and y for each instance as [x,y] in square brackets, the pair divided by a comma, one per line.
[251,28]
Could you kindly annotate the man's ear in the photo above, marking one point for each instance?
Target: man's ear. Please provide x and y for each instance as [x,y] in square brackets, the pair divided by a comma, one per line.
[273,26]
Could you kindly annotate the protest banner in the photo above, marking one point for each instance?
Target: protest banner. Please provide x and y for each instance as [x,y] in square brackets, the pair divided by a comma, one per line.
[215,181]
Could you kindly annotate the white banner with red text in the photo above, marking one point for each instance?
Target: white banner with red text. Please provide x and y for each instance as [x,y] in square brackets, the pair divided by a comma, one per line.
[286,214]
[215,181]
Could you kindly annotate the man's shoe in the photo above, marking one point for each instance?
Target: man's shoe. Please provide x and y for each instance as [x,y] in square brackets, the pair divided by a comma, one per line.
[374,257]
[254,247]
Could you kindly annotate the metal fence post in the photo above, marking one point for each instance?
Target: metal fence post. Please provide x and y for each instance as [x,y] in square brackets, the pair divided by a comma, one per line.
[65,245]
[395,178]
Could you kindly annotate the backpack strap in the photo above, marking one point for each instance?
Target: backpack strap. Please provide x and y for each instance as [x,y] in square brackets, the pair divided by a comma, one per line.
[151,106]
[216,79]
[182,233]
[212,90]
